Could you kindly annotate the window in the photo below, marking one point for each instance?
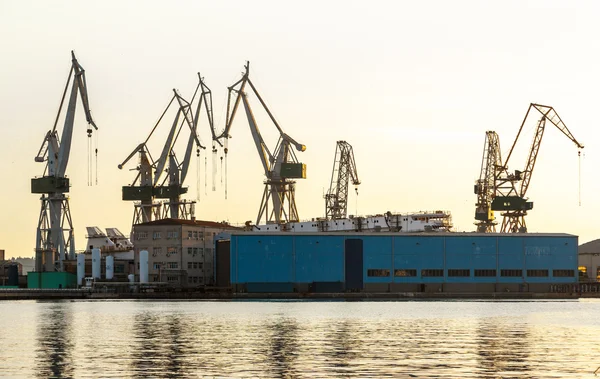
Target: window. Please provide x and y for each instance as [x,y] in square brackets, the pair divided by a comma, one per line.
[459,272]
[537,273]
[195,265]
[189,234]
[156,235]
[378,272]
[171,250]
[405,272]
[200,265]
[189,265]
[190,250]
[172,265]
[196,234]
[171,278]
[189,279]
[172,234]
[195,279]
[432,272]
[142,235]
[512,273]
[119,269]
[156,251]
[563,273]
[487,273]
[156,266]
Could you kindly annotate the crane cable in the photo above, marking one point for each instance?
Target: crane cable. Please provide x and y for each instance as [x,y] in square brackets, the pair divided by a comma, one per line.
[579,159]
[96,152]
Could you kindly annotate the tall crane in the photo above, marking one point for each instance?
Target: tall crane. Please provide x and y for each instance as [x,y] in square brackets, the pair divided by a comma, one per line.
[147,185]
[485,186]
[55,215]
[279,167]
[344,171]
[511,188]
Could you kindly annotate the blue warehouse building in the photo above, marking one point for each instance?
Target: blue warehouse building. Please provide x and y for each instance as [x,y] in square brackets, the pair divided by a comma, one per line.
[393,262]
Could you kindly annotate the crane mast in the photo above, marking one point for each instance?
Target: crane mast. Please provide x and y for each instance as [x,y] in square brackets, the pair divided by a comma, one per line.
[55,216]
[484,186]
[344,171]
[280,167]
[147,185]
[511,188]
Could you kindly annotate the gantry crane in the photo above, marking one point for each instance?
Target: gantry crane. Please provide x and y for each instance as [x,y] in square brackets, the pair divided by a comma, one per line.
[344,170]
[511,188]
[485,186]
[55,215]
[280,167]
[147,185]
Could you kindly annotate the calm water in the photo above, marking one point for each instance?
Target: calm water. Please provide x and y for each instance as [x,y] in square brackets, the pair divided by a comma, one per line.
[500,339]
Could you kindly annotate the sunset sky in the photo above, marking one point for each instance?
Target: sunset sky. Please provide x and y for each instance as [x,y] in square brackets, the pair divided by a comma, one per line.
[412,86]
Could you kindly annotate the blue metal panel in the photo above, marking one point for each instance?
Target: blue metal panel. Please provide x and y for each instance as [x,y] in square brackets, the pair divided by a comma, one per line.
[265,258]
[510,253]
[319,259]
[377,252]
[417,253]
[353,264]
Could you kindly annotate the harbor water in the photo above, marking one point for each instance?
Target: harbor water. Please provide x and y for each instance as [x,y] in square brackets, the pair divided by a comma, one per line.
[300,339]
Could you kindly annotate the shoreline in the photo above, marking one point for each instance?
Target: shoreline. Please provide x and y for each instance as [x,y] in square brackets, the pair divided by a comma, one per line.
[350,296]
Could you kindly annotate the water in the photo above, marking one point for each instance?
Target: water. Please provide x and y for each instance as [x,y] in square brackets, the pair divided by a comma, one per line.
[283,339]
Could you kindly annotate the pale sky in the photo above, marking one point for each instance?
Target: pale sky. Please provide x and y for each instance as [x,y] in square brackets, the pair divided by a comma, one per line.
[412,86]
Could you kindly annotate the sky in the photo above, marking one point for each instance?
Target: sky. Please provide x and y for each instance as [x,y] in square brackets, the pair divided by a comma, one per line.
[412,86]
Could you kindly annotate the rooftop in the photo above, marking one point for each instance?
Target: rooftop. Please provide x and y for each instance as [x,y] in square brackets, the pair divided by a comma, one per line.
[172,221]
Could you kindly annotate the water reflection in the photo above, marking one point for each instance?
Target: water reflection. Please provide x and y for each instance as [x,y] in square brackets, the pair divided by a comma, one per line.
[54,340]
[301,340]
[503,348]
[283,347]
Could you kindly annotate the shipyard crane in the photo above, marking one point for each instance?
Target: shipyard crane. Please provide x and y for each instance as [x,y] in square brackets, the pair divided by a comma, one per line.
[344,170]
[55,215]
[485,186]
[511,188]
[280,167]
[147,184]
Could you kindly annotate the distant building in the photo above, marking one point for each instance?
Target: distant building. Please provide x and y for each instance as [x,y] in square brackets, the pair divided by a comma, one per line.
[2,257]
[589,261]
[8,278]
[27,263]
[181,252]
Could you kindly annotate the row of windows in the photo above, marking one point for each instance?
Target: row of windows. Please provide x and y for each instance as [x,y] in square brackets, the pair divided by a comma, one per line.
[194,279]
[197,234]
[169,265]
[198,250]
[467,273]
[194,265]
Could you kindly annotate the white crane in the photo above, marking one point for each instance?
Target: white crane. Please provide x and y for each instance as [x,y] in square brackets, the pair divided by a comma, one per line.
[55,215]
[279,167]
[147,185]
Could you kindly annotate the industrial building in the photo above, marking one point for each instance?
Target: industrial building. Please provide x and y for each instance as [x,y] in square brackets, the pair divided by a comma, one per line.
[181,252]
[410,262]
[589,261]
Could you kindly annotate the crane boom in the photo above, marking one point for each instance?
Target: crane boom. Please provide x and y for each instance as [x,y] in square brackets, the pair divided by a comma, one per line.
[55,216]
[511,197]
[336,199]
[279,166]
[484,187]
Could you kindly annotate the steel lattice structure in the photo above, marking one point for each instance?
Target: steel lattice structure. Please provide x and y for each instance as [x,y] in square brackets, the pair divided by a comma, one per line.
[336,199]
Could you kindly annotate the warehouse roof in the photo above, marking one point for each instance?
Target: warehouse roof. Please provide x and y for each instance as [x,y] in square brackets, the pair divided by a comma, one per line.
[397,234]
[172,221]
[592,247]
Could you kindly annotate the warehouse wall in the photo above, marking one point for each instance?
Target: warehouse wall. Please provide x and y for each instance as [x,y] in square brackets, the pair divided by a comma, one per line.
[404,263]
